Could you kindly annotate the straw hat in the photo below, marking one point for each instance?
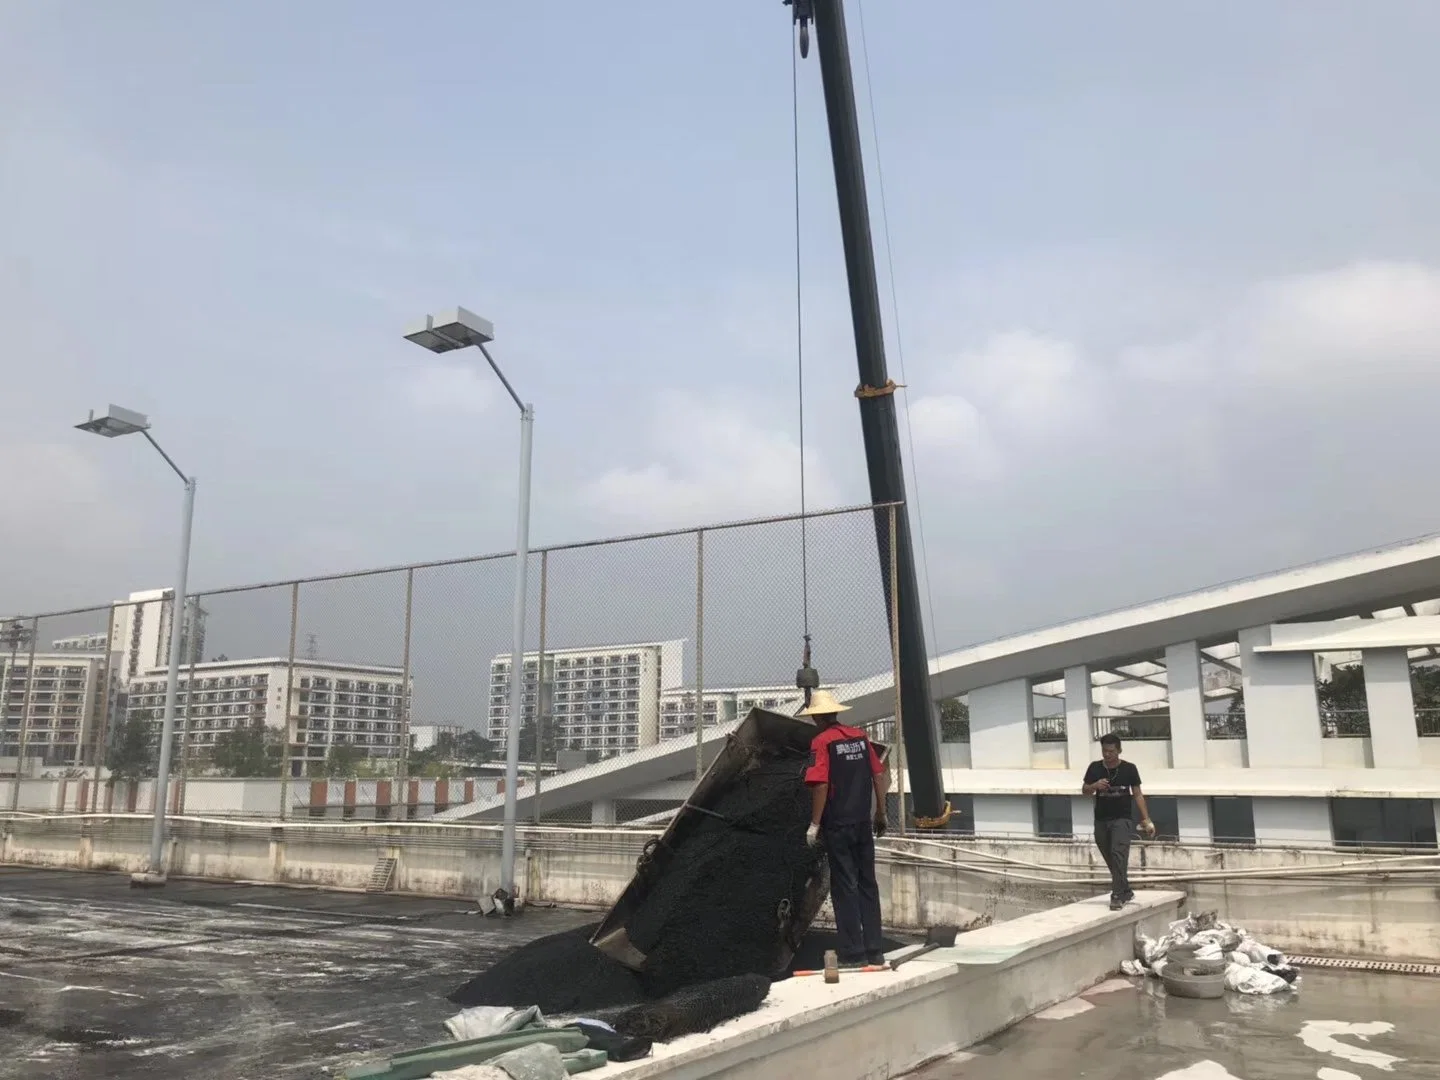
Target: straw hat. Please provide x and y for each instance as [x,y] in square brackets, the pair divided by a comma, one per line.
[822,703]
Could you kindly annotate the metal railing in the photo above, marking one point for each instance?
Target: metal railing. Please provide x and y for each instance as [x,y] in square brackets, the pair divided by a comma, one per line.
[1048,729]
[1140,727]
[635,639]
[1345,723]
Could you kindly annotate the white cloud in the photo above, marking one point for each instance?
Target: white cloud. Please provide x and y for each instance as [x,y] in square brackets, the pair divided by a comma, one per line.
[1367,315]
[1022,378]
[449,388]
[993,400]
[950,427]
[1310,330]
[712,463]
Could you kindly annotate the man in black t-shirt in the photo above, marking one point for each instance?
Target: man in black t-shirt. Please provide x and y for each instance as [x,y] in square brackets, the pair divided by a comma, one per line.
[1116,787]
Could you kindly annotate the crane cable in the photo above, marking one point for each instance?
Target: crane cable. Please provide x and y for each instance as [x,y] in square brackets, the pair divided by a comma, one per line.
[806,679]
[895,313]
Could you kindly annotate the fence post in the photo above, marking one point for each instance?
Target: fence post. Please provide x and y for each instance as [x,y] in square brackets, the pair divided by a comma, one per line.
[542,694]
[102,722]
[895,666]
[25,716]
[289,705]
[700,654]
[404,770]
[187,735]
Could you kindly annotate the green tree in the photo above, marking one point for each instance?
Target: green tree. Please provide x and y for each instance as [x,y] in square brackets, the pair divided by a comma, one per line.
[1425,684]
[473,748]
[1344,709]
[954,720]
[254,750]
[133,752]
[343,760]
[527,742]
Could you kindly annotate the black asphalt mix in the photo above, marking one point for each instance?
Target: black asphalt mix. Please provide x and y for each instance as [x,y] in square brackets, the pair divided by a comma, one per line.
[229,982]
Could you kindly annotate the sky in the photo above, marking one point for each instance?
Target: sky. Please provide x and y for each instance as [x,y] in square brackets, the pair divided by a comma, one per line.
[1162,283]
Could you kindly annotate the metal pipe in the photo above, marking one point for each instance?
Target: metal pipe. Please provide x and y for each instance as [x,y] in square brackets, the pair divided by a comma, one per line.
[542,683]
[700,654]
[517,655]
[290,705]
[24,713]
[405,678]
[172,676]
[879,426]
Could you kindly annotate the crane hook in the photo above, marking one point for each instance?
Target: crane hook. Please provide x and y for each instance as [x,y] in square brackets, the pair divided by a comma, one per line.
[804,12]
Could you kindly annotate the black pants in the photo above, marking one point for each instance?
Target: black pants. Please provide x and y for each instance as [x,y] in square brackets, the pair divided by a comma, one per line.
[853,891]
[1113,838]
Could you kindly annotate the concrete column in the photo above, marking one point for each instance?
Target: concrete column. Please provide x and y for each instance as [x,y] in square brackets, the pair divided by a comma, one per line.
[1394,741]
[1000,725]
[1187,705]
[1194,814]
[1282,715]
[1079,746]
[602,812]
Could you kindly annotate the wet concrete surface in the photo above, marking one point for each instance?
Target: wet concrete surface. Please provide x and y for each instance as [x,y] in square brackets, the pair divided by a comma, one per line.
[1339,1026]
[228,982]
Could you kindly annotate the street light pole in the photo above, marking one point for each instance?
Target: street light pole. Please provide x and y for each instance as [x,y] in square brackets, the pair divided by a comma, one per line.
[113,424]
[517,657]
[172,680]
[459,329]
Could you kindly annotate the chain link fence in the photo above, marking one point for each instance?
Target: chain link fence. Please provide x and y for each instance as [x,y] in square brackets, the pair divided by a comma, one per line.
[386,694]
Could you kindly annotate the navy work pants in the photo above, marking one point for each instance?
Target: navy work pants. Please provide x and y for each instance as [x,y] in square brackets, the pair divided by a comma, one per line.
[853,891]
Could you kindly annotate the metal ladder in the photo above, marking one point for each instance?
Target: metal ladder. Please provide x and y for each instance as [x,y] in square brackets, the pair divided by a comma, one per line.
[381,876]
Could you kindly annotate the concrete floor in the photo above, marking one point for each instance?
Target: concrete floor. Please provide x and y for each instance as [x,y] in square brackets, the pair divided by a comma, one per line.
[1340,1026]
[226,982]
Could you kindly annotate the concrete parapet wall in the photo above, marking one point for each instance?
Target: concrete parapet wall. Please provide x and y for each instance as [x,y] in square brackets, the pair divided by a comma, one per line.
[884,1024]
[1301,900]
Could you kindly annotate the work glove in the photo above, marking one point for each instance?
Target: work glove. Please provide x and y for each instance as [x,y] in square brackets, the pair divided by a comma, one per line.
[1148,828]
[880,826]
[812,835]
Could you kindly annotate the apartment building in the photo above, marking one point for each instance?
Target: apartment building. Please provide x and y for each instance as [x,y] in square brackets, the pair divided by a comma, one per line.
[140,632]
[52,703]
[332,704]
[677,706]
[604,697]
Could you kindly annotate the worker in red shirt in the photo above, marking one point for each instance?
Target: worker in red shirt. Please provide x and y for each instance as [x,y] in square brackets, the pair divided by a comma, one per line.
[848,783]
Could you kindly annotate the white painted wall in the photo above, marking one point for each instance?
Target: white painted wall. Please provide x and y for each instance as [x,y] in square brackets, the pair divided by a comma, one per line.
[1226,754]
[1000,725]
[1393,738]
[957,755]
[1282,716]
[1147,756]
[1048,756]
[1005,815]
[1346,754]
[1303,821]
[1187,705]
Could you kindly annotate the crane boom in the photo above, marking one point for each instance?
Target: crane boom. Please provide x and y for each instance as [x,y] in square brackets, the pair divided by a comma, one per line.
[919,724]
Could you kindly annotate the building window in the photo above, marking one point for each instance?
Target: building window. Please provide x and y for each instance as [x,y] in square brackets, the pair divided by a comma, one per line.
[962,814]
[1053,817]
[1383,822]
[1232,819]
[1165,813]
